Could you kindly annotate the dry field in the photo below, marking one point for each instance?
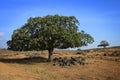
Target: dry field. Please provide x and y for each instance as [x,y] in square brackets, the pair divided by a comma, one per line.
[32,65]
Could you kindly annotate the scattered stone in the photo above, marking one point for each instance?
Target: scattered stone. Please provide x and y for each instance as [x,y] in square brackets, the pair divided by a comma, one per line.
[68,61]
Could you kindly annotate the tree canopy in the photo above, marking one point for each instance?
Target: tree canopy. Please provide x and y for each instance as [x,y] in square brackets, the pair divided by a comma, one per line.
[49,32]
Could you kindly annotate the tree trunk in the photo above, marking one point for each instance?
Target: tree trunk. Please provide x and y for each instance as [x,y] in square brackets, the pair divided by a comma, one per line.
[50,52]
[104,47]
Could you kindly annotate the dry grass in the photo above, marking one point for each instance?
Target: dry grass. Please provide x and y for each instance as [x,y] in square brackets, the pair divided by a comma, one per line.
[14,66]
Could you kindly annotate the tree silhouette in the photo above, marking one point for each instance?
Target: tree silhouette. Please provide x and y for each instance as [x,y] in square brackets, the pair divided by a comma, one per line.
[103,43]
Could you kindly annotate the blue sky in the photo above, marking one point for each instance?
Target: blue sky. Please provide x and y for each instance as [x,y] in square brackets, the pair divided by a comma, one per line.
[100,18]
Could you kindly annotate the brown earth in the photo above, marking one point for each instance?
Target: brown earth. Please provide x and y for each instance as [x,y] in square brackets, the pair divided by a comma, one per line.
[32,65]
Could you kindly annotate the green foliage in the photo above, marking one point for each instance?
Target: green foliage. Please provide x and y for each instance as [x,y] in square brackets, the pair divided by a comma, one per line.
[49,32]
[103,44]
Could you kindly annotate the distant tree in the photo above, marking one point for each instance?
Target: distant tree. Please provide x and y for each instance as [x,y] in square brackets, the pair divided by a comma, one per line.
[49,32]
[103,44]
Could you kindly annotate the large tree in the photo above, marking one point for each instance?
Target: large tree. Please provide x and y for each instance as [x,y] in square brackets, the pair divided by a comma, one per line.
[49,32]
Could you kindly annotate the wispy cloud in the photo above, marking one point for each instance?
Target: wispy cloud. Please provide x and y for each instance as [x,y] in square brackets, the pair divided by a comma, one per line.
[1,33]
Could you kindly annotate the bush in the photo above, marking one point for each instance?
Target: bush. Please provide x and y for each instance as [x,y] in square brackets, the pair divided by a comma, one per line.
[79,49]
[79,52]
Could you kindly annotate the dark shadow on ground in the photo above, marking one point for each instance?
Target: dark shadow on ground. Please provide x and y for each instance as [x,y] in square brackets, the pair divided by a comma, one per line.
[29,60]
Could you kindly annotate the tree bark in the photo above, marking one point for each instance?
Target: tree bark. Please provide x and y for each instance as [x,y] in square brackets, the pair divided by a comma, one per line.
[50,52]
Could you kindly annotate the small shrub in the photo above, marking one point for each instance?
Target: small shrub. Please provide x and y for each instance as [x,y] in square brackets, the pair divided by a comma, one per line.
[80,52]
[78,49]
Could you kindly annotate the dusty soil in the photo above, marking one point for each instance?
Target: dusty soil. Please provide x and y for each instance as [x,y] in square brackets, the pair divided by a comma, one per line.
[32,65]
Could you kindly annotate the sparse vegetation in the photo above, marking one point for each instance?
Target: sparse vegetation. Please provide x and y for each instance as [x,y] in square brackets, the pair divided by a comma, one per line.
[93,66]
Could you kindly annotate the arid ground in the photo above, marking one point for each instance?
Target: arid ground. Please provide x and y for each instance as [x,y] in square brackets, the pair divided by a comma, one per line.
[100,64]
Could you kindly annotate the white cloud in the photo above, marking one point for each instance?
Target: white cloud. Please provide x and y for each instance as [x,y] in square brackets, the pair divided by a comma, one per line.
[1,33]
